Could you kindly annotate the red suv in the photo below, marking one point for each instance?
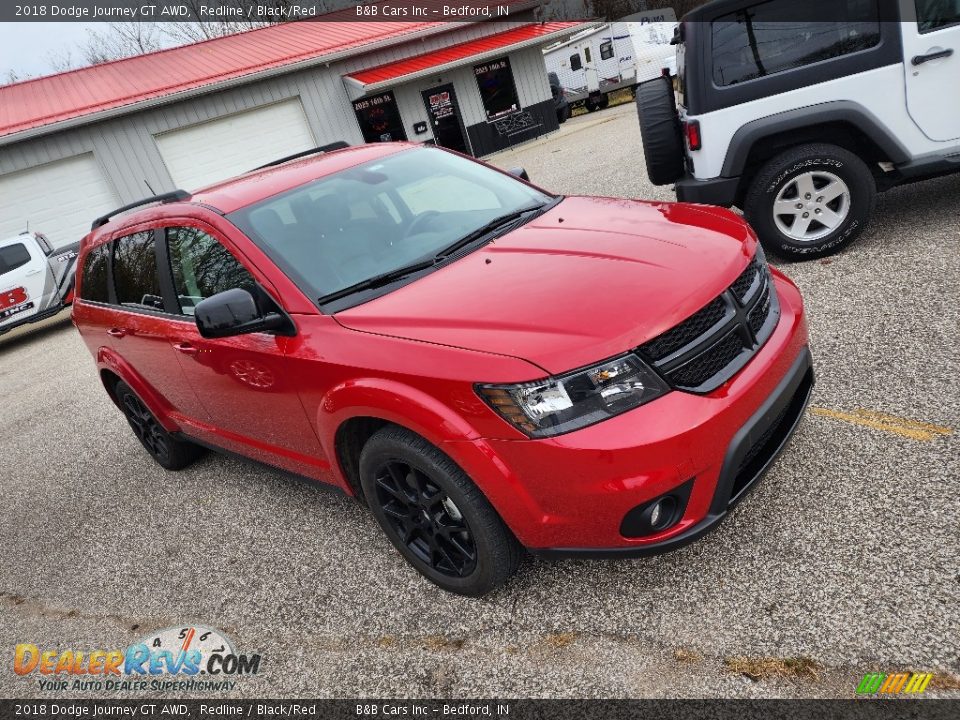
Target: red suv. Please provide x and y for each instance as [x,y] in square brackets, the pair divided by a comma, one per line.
[484,364]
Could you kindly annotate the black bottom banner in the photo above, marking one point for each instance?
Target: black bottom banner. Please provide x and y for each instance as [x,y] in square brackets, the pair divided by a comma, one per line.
[504,709]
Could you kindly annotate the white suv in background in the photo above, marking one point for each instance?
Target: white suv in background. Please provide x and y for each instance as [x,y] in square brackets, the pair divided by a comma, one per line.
[799,112]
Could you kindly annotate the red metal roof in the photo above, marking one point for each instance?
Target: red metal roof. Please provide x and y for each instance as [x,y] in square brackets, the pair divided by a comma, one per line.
[55,98]
[462,51]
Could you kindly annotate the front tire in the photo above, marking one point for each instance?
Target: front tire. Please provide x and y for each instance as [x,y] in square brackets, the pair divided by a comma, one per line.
[169,452]
[810,201]
[434,515]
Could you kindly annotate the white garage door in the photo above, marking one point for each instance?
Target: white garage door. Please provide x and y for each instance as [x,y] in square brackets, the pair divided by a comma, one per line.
[59,199]
[203,154]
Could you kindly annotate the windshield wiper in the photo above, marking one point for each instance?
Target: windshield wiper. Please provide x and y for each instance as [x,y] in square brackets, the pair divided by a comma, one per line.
[487,229]
[378,280]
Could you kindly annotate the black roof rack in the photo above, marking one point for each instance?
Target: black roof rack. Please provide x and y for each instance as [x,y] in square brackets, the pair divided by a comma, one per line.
[338,145]
[175,196]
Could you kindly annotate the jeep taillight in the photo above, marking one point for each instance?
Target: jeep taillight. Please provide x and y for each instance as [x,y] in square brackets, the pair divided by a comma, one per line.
[692,130]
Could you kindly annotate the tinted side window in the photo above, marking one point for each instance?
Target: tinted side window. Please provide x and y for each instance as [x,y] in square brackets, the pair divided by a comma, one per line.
[202,267]
[135,276]
[606,50]
[575,63]
[935,14]
[12,257]
[94,278]
[772,37]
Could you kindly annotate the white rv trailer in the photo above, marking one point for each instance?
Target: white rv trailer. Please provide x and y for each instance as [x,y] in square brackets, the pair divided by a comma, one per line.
[603,59]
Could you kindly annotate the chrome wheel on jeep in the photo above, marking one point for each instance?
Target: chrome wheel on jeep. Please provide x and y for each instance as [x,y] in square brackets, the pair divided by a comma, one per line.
[811,205]
[810,201]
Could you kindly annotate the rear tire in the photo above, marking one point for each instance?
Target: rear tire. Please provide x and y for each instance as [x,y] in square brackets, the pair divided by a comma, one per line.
[810,201]
[563,114]
[441,522]
[663,148]
[169,452]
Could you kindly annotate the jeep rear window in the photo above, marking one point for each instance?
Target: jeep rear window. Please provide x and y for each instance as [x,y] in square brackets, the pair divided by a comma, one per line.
[12,257]
[773,37]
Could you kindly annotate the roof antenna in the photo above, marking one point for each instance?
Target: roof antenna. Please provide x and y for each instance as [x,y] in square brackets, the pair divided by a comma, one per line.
[148,186]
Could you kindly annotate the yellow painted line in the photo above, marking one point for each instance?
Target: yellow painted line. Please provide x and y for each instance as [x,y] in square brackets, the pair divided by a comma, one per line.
[913,429]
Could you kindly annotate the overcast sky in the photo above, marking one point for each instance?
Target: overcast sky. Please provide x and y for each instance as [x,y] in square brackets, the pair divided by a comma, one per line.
[25,47]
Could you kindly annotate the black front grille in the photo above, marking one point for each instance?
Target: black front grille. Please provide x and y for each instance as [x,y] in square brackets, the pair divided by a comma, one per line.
[742,285]
[687,331]
[713,344]
[708,363]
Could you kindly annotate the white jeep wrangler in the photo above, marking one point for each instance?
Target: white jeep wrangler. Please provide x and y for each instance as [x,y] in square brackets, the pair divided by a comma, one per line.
[799,111]
[36,280]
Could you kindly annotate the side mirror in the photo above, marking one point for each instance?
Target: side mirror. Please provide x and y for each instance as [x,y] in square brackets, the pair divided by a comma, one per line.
[234,312]
[520,173]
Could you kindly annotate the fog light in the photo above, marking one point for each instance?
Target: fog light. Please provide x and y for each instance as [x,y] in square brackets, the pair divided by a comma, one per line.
[658,514]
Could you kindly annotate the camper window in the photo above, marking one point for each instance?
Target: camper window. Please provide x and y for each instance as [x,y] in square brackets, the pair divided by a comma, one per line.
[575,63]
[606,50]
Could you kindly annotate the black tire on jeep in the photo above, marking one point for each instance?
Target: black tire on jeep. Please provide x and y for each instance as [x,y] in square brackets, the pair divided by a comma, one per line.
[660,131]
[434,515]
[810,201]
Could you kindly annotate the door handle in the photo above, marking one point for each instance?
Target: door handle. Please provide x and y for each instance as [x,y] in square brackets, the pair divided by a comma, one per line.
[116,332]
[33,272]
[936,55]
[185,348]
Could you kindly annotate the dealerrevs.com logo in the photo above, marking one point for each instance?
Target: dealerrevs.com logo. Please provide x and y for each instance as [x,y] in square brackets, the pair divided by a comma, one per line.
[176,658]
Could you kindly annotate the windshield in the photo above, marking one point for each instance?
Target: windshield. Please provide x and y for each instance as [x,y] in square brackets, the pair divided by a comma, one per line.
[379,217]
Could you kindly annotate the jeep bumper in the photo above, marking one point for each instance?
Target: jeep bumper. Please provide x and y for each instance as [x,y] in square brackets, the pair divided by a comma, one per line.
[715,191]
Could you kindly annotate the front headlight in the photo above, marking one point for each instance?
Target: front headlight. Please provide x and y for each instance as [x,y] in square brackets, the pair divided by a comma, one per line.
[574,400]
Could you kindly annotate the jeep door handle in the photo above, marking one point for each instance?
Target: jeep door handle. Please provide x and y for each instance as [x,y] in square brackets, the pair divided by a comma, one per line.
[936,55]
[116,332]
[185,348]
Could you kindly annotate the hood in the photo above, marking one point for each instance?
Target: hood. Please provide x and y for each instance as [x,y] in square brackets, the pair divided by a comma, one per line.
[591,278]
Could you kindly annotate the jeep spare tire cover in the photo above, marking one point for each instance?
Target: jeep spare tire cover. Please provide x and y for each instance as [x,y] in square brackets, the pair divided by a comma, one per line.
[660,129]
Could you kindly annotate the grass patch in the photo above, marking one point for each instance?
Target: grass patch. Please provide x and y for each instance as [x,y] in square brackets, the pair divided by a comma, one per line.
[767,668]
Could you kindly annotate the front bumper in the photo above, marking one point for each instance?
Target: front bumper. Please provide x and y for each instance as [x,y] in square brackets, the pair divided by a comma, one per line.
[766,434]
[715,191]
[569,495]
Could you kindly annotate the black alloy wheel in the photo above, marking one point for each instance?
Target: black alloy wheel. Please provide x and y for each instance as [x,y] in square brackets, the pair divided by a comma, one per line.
[169,451]
[434,514]
[146,428]
[425,519]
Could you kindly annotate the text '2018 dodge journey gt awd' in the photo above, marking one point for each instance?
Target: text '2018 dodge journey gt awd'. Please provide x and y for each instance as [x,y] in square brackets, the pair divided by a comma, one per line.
[486,365]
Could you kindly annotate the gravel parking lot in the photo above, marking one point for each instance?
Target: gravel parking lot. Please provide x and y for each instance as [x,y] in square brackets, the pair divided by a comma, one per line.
[842,561]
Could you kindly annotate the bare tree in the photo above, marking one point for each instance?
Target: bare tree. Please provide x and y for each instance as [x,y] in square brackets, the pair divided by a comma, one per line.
[61,60]
[121,39]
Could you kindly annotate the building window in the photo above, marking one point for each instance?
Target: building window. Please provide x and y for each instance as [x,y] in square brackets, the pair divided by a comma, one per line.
[768,38]
[575,63]
[135,272]
[606,50]
[379,118]
[93,285]
[497,91]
